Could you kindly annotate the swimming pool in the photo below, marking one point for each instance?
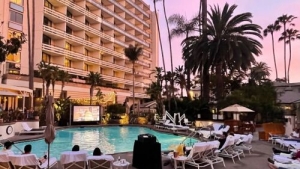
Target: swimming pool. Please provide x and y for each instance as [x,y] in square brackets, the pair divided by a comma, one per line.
[112,139]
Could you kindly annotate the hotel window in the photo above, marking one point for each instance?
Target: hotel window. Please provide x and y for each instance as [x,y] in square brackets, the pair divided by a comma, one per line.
[87,23]
[115,73]
[87,8]
[18,2]
[68,46]
[69,30]
[14,57]
[86,67]
[48,4]
[101,70]
[47,22]
[68,63]
[86,52]
[16,17]
[46,58]
[69,14]
[87,37]
[114,60]
[46,40]
[101,43]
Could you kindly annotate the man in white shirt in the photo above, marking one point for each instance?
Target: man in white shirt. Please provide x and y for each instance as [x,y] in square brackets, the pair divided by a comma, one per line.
[7,148]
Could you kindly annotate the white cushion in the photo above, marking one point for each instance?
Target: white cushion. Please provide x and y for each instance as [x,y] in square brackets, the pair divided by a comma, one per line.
[52,161]
[4,157]
[73,156]
[102,157]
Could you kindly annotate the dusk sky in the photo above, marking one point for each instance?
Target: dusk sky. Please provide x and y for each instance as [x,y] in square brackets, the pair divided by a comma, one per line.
[264,13]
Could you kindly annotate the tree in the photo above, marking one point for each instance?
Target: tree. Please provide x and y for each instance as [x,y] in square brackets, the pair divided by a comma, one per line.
[289,35]
[183,27]
[63,77]
[231,43]
[49,75]
[158,29]
[54,76]
[270,30]
[133,53]
[11,45]
[259,73]
[94,79]
[284,20]
[180,79]
[43,73]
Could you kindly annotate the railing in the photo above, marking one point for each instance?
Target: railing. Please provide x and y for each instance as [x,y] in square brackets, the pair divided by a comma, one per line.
[77,23]
[130,13]
[115,66]
[105,77]
[139,8]
[81,41]
[142,74]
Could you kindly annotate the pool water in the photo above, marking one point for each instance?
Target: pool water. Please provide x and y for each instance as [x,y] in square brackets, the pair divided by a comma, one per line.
[110,140]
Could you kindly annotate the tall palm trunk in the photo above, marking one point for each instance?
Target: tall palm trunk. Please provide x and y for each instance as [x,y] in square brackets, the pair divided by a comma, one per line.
[170,44]
[290,58]
[206,66]
[219,85]
[284,50]
[62,89]
[43,87]
[160,41]
[91,93]
[274,57]
[133,86]
[29,49]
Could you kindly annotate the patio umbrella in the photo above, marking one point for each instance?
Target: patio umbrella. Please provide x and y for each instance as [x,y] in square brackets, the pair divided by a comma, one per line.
[50,130]
[236,108]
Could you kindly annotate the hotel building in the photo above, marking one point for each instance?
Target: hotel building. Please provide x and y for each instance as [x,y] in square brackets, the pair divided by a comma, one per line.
[79,36]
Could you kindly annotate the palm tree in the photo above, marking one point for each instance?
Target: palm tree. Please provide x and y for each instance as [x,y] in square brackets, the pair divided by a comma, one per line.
[259,72]
[290,35]
[133,53]
[154,91]
[42,67]
[158,29]
[230,43]
[94,79]
[284,20]
[183,27]
[180,79]
[63,77]
[270,30]
[54,77]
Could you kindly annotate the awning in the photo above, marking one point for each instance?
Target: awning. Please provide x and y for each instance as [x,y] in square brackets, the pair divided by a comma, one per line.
[236,108]
[8,93]
[15,88]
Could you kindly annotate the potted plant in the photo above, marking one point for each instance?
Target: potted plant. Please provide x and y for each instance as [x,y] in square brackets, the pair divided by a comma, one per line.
[36,115]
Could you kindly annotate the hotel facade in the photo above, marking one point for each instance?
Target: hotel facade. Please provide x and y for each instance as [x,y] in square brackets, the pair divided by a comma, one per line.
[79,36]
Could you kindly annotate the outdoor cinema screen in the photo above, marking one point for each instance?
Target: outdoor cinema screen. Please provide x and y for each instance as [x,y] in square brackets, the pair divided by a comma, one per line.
[86,113]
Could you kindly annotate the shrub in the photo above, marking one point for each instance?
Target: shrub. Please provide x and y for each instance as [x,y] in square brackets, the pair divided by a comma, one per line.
[116,109]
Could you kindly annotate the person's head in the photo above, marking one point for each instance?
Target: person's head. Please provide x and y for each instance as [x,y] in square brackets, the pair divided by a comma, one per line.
[231,133]
[75,148]
[27,149]
[97,152]
[8,145]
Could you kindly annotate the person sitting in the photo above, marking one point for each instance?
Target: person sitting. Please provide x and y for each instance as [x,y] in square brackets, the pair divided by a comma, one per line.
[97,152]
[27,150]
[284,165]
[76,148]
[222,139]
[287,154]
[7,148]
[295,133]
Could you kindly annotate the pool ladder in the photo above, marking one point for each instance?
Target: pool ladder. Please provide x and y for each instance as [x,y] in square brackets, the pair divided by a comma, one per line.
[190,136]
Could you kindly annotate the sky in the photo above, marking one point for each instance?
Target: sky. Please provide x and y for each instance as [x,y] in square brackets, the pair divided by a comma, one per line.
[264,12]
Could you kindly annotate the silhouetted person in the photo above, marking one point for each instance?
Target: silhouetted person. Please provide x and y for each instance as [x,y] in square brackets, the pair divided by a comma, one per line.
[75,148]
[97,152]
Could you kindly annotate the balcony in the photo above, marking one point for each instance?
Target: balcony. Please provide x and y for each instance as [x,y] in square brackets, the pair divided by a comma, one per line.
[105,77]
[142,74]
[115,66]
[137,7]
[81,41]
[78,24]
[130,13]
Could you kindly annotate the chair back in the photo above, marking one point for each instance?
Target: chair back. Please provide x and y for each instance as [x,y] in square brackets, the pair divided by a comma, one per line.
[216,126]
[25,161]
[4,161]
[73,159]
[100,162]
[229,142]
[25,126]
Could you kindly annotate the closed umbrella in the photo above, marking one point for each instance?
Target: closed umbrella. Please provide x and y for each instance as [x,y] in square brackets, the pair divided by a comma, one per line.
[50,130]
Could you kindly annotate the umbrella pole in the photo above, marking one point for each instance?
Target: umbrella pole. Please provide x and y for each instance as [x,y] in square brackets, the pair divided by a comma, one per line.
[48,156]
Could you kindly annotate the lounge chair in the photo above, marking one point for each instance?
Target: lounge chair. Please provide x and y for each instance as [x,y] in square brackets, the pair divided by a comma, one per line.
[4,161]
[73,159]
[211,155]
[245,142]
[227,149]
[29,130]
[100,162]
[218,130]
[197,156]
[30,161]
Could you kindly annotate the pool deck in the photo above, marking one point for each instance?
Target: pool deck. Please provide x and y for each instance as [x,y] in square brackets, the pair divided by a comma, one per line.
[257,160]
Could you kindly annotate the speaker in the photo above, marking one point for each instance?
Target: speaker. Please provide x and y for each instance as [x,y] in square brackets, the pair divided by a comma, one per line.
[147,138]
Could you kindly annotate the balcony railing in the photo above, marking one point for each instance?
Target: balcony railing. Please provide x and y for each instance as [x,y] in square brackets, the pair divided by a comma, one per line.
[81,41]
[130,13]
[77,23]
[115,66]
[142,74]
[139,8]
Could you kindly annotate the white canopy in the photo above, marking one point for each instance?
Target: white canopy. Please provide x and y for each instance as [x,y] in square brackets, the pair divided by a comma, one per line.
[236,108]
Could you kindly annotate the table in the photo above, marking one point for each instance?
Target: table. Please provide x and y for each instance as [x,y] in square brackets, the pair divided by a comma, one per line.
[122,164]
[181,159]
